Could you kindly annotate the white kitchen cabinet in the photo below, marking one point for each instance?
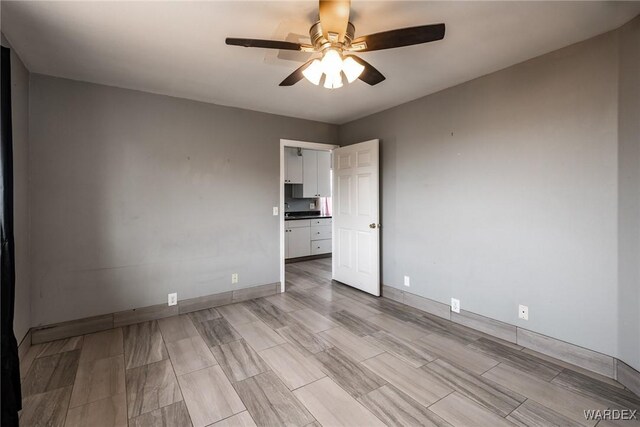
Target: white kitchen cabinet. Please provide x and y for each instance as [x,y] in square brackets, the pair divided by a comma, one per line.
[292,166]
[298,242]
[324,174]
[306,237]
[316,173]
[319,232]
[309,173]
[299,223]
[319,247]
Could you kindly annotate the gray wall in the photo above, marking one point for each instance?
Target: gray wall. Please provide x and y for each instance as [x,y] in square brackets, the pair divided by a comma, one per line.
[629,194]
[503,191]
[137,195]
[20,119]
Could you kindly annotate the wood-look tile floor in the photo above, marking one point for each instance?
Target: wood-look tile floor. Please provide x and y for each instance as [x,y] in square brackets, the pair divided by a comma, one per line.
[320,354]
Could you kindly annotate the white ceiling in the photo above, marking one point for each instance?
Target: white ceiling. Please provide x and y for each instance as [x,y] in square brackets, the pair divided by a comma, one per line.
[177,48]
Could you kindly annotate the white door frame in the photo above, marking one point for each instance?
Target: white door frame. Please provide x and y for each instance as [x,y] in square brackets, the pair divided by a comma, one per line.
[299,144]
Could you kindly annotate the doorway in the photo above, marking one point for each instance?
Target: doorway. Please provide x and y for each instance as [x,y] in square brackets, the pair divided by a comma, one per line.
[315,179]
[305,204]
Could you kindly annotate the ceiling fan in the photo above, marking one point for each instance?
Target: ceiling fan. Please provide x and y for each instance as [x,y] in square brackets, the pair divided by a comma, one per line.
[333,38]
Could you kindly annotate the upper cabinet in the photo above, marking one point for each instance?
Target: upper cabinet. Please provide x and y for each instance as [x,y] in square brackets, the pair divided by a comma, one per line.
[324,173]
[316,173]
[292,166]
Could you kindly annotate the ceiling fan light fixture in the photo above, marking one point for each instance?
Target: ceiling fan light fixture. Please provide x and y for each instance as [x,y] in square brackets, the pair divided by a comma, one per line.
[352,69]
[333,81]
[331,62]
[331,36]
[313,72]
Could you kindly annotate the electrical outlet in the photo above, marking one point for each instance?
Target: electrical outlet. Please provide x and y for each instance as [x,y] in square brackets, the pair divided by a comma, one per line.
[455,305]
[172,299]
[312,205]
[407,281]
[275,211]
[523,312]
[234,278]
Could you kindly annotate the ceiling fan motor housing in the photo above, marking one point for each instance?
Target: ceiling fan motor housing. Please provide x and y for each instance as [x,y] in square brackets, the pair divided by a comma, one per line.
[320,43]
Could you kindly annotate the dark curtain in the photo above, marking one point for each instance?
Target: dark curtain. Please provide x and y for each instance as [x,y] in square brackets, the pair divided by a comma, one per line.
[11,399]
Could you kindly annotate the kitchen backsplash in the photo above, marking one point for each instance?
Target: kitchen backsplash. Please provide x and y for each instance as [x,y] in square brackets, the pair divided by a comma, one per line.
[295,205]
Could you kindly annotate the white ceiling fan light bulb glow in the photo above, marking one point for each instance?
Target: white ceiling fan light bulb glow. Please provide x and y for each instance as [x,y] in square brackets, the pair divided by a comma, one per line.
[333,81]
[313,72]
[352,69]
[331,62]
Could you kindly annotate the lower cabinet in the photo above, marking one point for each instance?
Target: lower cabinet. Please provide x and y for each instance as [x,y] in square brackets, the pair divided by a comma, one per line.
[320,247]
[297,242]
[307,237]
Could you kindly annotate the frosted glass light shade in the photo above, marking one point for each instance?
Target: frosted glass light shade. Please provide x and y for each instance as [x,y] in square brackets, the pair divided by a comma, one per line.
[333,65]
[331,62]
[333,81]
[313,72]
[351,69]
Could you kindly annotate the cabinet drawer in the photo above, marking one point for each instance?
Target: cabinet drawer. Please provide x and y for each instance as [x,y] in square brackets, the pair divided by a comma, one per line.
[319,232]
[321,221]
[297,223]
[321,247]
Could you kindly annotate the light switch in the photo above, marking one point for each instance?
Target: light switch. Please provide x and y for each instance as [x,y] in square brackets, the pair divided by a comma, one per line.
[275,211]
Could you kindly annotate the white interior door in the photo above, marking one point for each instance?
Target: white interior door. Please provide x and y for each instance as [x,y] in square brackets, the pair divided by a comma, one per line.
[356,228]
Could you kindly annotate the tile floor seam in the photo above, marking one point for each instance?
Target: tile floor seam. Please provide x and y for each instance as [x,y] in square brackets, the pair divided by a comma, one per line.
[516,408]
[309,383]
[372,357]
[173,368]
[556,375]
[443,397]
[75,375]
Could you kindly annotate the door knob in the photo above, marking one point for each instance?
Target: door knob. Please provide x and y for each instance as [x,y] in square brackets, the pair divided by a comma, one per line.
[372,225]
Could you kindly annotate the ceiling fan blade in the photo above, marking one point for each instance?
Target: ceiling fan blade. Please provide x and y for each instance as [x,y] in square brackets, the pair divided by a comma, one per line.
[370,74]
[267,44]
[297,75]
[334,18]
[398,38]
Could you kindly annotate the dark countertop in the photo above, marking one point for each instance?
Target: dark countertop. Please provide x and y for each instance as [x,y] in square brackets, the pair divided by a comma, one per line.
[293,218]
